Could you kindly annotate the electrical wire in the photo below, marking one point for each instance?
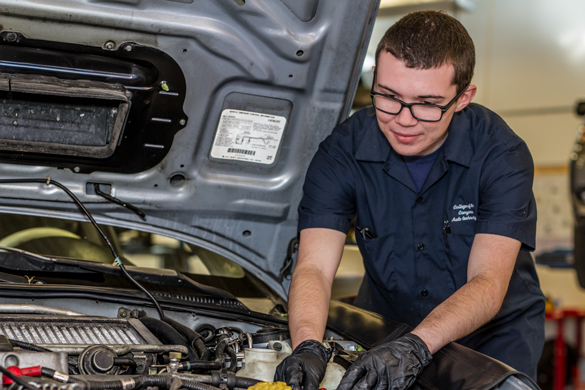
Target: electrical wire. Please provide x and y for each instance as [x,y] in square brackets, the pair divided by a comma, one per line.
[16,379]
[76,200]
[117,201]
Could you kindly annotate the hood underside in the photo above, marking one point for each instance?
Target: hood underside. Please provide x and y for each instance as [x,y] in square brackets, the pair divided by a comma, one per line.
[204,114]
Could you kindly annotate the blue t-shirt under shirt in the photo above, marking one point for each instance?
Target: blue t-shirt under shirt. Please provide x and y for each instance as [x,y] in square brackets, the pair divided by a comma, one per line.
[420,166]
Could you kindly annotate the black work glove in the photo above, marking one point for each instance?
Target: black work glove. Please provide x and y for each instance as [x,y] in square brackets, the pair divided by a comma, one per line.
[305,366]
[388,366]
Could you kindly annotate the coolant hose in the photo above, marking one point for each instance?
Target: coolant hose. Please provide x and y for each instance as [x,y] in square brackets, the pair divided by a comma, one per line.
[233,359]
[194,338]
[126,362]
[199,365]
[244,383]
[161,381]
[191,384]
[223,347]
[220,378]
[168,335]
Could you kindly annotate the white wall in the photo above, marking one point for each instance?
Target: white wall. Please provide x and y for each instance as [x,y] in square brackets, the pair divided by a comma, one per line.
[531,61]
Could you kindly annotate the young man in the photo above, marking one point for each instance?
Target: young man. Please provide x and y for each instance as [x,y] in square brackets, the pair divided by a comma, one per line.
[442,193]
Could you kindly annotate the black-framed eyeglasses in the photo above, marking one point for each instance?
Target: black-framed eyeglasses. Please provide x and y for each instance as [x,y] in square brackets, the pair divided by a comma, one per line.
[424,112]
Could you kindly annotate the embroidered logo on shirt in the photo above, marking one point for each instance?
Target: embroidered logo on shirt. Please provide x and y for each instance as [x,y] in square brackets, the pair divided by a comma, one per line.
[465,212]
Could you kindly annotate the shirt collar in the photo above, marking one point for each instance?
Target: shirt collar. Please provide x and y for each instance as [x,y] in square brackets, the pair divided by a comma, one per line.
[374,146]
[458,147]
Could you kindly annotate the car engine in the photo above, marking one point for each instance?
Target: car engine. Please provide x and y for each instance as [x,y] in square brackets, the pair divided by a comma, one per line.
[49,347]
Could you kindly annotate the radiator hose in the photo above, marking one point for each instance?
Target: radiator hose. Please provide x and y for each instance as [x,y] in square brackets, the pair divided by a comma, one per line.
[168,334]
[195,339]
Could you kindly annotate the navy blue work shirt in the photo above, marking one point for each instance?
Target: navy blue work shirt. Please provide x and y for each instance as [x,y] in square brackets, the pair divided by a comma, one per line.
[416,244]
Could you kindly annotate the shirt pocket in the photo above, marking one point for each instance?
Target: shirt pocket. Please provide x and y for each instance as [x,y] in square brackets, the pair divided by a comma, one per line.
[379,259]
[458,244]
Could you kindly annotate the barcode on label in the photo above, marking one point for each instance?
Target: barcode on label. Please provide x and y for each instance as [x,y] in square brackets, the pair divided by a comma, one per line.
[241,151]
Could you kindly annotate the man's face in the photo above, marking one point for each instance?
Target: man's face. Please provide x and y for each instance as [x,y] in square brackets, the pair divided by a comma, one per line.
[407,135]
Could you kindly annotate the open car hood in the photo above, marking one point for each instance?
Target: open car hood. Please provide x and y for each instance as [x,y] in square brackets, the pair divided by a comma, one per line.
[204,114]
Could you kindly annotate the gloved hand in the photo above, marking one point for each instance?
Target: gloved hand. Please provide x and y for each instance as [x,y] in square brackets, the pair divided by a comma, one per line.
[305,366]
[388,366]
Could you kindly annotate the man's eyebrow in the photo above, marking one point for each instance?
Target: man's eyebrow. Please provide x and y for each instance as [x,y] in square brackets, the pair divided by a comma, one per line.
[419,97]
[388,89]
[431,97]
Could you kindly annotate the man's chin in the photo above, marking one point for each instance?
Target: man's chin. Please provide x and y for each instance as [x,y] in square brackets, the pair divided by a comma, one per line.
[408,150]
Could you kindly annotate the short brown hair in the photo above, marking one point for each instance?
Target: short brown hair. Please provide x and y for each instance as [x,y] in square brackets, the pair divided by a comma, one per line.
[431,39]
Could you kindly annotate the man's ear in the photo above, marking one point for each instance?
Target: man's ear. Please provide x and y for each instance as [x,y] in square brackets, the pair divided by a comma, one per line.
[466,98]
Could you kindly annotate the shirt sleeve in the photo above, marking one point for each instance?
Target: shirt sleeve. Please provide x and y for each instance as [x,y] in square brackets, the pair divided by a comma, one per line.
[507,206]
[329,191]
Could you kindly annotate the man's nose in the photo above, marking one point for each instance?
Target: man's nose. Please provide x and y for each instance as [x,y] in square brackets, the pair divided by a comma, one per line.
[405,118]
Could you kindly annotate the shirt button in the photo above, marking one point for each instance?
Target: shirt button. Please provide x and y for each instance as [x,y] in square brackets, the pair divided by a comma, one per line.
[424,293]
[421,246]
[419,199]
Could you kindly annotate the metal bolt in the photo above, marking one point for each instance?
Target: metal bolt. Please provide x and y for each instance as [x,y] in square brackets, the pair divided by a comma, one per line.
[123,314]
[128,48]
[76,169]
[182,122]
[110,45]
[15,123]
[11,37]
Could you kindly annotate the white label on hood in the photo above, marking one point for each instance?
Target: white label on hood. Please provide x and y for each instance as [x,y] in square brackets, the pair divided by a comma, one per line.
[248,136]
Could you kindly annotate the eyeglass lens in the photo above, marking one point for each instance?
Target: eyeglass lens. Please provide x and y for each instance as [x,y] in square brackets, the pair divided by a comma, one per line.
[421,112]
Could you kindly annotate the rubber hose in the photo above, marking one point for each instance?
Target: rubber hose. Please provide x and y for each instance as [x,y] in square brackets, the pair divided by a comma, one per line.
[202,350]
[194,338]
[167,334]
[191,384]
[160,381]
[200,365]
[28,346]
[164,381]
[207,331]
[244,383]
[223,347]
[109,385]
[220,348]
[233,359]
[131,363]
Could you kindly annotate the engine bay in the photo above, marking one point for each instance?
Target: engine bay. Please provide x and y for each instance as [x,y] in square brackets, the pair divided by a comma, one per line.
[52,347]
